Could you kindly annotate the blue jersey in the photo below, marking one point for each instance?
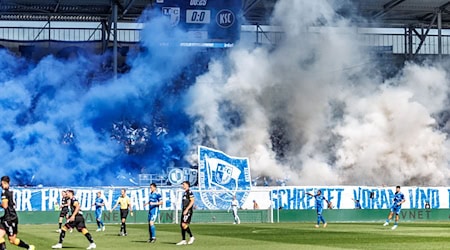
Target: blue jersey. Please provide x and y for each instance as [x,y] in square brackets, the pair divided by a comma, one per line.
[398,197]
[154,198]
[154,209]
[98,203]
[319,201]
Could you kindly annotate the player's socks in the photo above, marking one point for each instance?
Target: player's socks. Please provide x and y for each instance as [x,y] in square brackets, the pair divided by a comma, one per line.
[153,231]
[21,243]
[188,230]
[89,237]
[61,236]
[183,234]
[3,245]
[123,227]
[323,220]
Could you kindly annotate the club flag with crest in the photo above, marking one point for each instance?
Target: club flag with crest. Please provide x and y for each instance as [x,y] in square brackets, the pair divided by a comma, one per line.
[221,177]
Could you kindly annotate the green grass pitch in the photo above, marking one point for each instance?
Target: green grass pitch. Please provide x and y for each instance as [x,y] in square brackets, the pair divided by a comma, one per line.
[252,236]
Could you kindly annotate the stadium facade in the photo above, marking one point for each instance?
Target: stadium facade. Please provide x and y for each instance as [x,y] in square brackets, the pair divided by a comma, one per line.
[34,29]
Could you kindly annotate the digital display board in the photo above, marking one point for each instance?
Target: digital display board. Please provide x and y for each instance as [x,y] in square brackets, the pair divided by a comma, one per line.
[198,16]
[207,23]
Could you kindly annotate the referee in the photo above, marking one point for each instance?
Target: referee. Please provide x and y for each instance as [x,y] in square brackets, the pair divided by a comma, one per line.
[125,207]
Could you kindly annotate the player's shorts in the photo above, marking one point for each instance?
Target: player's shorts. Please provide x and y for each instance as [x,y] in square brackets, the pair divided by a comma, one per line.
[153,214]
[64,212]
[123,213]
[319,210]
[10,227]
[186,218]
[98,213]
[78,223]
[396,209]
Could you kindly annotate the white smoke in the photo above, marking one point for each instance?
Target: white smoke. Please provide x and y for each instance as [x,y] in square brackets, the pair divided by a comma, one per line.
[339,122]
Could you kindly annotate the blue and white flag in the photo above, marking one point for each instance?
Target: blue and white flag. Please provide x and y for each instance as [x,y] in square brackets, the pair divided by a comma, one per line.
[221,177]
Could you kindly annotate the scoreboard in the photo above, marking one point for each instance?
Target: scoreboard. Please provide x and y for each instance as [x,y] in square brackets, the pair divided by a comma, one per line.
[206,23]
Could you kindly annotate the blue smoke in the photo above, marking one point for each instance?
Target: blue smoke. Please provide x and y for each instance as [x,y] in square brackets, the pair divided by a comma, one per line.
[64,124]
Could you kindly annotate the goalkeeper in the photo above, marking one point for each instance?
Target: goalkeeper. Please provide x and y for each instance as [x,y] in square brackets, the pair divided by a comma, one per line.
[234,208]
[319,207]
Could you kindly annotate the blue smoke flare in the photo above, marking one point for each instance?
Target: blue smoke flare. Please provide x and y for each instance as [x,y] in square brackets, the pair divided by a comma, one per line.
[64,124]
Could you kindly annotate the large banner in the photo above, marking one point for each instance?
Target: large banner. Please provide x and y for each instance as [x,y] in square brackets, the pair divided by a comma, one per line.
[368,197]
[44,199]
[47,199]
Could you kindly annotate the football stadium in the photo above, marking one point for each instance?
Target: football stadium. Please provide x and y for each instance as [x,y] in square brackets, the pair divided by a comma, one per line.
[237,124]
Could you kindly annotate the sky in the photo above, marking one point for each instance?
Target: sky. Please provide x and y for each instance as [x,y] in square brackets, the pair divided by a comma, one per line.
[315,110]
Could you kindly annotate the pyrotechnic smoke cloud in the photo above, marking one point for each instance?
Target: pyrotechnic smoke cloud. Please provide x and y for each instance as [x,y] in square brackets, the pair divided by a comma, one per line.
[317,111]
[61,126]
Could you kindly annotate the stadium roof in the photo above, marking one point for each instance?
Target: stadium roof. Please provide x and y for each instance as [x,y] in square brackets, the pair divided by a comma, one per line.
[255,11]
[403,13]
[70,10]
[380,13]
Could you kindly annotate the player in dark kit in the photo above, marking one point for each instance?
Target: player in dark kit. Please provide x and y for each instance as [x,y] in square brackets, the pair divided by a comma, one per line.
[76,220]
[9,221]
[64,213]
[188,203]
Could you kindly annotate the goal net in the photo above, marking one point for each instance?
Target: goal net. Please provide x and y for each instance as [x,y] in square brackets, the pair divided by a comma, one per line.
[214,206]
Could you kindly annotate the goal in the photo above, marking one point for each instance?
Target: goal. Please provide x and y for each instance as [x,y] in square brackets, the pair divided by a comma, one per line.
[213,206]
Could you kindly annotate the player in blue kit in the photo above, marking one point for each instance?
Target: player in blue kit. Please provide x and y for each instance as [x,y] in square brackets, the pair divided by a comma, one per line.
[319,207]
[99,203]
[396,207]
[154,201]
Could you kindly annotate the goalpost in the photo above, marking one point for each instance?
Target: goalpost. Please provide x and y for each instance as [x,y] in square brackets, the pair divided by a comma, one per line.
[214,206]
